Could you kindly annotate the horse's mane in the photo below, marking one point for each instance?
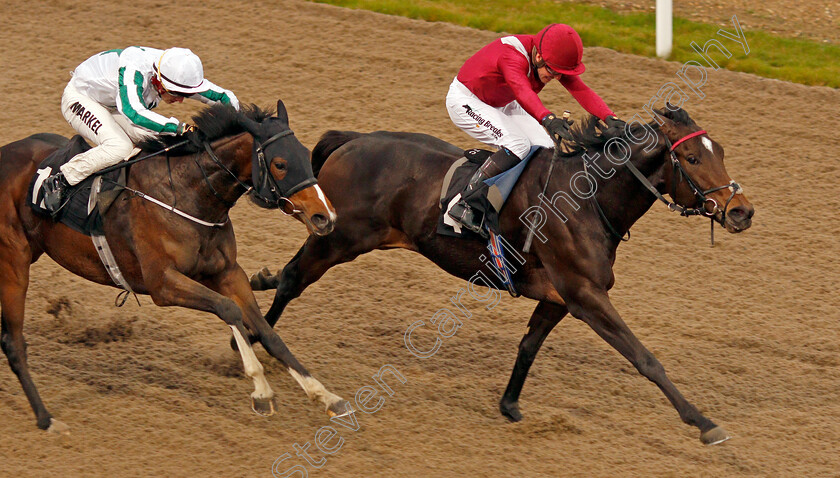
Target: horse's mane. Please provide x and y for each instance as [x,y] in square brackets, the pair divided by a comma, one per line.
[592,135]
[215,122]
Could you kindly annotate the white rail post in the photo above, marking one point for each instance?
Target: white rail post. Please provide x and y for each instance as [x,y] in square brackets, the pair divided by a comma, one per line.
[664,27]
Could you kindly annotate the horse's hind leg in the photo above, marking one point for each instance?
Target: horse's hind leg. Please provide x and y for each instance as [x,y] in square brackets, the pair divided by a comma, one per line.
[543,320]
[14,281]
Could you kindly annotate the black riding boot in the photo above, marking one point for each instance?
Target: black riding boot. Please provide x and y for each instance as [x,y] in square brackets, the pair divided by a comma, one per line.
[497,163]
[55,188]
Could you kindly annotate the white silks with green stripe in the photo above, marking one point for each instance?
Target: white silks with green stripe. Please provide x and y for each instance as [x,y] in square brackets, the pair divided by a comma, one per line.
[120,79]
[109,101]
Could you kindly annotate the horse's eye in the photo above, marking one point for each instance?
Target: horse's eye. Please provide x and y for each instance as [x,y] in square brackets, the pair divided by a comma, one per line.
[280,166]
[691,159]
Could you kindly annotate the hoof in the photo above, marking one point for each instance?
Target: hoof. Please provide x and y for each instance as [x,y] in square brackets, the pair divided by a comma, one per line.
[714,436]
[341,408]
[265,407]
[58,428]
[262,280]
[510,410]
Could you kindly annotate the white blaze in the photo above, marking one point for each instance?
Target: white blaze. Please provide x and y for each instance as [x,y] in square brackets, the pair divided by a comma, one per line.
[323,199]
[707,143]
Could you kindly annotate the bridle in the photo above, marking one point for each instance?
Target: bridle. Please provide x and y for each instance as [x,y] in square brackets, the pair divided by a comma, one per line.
[261,170]
[267,191]
[679,173]
[275,188]
[716,213]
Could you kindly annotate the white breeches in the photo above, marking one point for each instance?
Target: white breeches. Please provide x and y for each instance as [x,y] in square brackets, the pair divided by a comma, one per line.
[509,126]
[112,134]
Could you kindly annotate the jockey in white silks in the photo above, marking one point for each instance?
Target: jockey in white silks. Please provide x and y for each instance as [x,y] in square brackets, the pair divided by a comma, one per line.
[109,102]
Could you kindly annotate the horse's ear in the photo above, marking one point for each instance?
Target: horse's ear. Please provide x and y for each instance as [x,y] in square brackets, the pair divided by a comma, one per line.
[250,125]
[281,112]
[672,112]
[664,118]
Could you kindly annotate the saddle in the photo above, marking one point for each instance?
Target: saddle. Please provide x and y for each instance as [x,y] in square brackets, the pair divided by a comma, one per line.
[487,201]
[87,201]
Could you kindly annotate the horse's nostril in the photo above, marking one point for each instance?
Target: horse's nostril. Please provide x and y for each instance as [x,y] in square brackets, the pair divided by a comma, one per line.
[319,220]
[741,215]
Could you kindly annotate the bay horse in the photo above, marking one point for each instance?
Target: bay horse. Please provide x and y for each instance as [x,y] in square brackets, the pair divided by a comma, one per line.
[386,189]
[176,261]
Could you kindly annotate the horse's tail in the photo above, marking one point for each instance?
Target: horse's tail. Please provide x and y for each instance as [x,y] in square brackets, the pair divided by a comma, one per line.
[329,142]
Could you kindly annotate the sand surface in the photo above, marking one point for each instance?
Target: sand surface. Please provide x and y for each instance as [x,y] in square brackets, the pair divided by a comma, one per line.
[748,330]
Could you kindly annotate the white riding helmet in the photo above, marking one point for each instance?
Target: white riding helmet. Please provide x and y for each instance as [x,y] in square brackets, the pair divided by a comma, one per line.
[180,70]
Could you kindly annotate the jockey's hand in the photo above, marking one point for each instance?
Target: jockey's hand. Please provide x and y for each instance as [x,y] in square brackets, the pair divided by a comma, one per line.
[613,121]
[185,128]
[558,128]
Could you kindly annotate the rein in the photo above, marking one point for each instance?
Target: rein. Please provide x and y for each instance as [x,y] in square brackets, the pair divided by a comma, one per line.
[261,163]
[160,203]
[679,173]
[530,238]
[128,163]
[609,225]
[701,195]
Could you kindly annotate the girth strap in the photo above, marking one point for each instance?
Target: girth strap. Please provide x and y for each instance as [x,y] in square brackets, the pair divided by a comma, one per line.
[104,250]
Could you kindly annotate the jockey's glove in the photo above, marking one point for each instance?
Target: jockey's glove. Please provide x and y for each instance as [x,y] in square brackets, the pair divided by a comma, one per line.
[613,121]
[184,128]
[558,128]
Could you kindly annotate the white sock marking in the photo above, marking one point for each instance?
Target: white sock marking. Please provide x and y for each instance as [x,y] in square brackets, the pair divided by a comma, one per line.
[314,389]
[253,367]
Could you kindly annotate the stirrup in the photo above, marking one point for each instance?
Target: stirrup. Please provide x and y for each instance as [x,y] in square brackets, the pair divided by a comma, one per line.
[463,215]
[55,189]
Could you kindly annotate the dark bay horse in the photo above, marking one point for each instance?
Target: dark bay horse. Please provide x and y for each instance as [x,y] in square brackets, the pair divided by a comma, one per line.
[174,260]
[386,187]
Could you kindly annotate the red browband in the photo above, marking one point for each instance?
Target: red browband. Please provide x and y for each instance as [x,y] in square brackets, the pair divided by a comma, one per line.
[686,138]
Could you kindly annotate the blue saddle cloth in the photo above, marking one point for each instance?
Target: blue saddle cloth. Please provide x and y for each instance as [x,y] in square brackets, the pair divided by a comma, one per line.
[74,214]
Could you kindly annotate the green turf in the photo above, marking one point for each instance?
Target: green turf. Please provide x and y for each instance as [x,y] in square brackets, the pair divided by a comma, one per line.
[772,56]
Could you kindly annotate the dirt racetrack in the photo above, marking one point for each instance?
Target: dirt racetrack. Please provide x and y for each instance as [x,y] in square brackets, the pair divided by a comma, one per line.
[748,330]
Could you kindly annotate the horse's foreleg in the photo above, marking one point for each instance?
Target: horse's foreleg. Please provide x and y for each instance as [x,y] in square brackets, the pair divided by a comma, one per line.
[543,320]
[288,286]
[318,255]
[594,307]
[235,285]
[177,289]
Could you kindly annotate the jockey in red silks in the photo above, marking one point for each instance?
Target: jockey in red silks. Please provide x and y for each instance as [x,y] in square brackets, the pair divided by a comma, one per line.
[494,100]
